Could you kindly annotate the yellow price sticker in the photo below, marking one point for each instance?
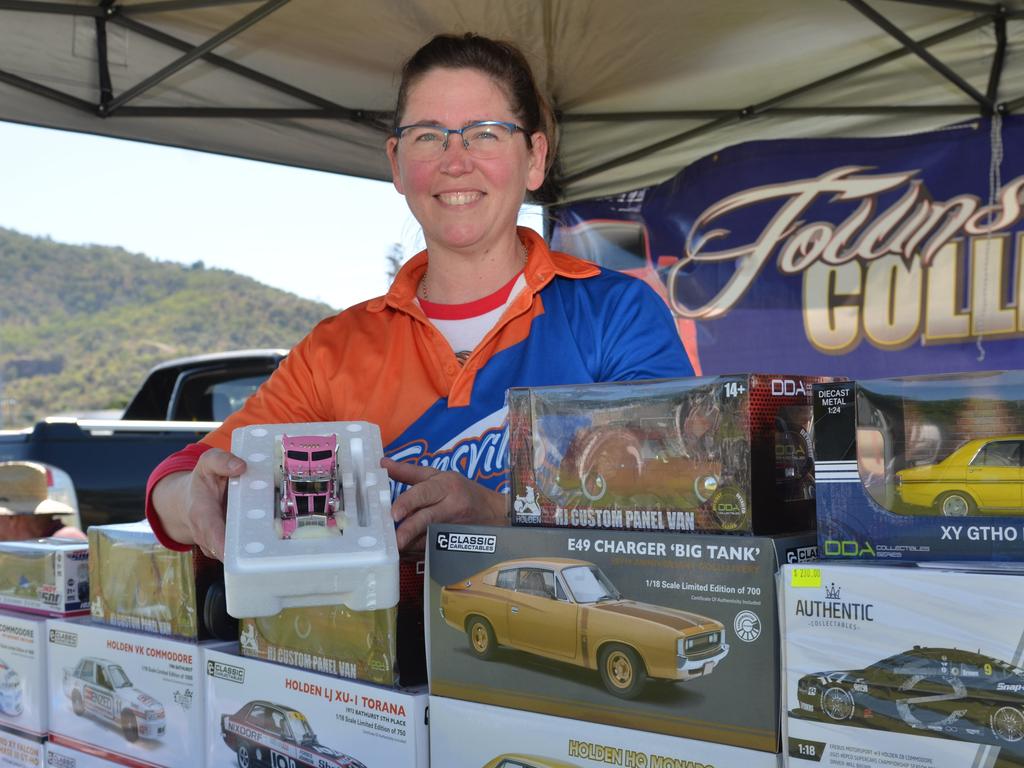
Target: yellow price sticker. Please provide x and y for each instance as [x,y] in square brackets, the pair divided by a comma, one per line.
[805,577]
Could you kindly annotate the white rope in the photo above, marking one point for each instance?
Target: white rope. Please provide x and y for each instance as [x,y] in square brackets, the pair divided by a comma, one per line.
[995,183]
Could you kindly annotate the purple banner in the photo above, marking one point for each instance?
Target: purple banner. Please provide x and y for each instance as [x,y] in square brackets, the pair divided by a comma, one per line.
[857,257]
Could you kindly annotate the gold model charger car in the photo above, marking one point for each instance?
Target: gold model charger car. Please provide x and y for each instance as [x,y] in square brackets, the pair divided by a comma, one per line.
[568,610]
[981,476]
[527,761]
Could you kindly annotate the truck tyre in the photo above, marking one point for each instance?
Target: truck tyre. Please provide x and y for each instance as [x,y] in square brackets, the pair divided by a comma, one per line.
[622,671]
[218,623]
[130,726]
[76,703]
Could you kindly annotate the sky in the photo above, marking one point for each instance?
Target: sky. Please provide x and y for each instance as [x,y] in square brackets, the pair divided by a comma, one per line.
[319,235]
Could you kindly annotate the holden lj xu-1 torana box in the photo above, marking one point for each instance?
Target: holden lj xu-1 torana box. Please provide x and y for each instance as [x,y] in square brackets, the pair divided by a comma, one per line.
[672,633]
[131,698]
[509,738]
[921,467]
[903,666]
[267,714]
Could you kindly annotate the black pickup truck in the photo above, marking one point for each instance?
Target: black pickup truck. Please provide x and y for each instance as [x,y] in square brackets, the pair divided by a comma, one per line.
[110,460]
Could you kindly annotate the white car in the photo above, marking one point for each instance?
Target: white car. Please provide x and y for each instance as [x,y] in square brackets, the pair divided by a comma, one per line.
[100,688]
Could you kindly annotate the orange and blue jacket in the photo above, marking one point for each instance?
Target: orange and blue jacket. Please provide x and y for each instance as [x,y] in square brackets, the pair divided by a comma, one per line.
[382,361]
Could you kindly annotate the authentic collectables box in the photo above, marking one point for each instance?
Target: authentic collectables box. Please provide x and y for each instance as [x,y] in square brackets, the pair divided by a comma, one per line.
[660,632]
[903,666]
[723,454]
[921,467]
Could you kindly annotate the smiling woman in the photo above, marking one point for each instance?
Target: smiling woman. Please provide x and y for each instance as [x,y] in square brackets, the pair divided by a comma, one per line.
[485,307]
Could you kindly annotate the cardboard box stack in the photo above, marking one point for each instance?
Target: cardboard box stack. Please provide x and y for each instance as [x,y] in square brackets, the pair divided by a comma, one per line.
[617,622]
[904,647]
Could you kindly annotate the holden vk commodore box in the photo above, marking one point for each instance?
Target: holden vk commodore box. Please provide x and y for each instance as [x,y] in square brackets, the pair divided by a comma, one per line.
[510,738]
[721,454]
[23,692]
[261,713]
[672,633]
[20,751]
[130,698]
[921,467]
[903,666]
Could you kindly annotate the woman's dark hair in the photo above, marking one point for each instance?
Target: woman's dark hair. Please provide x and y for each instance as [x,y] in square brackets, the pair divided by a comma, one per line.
[502,62]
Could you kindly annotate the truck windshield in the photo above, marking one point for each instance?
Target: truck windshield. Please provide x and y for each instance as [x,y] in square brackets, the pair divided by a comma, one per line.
[299,455]
[309,486]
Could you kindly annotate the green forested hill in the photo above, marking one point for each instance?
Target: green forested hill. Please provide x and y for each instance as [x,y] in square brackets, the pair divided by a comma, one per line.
[81,325]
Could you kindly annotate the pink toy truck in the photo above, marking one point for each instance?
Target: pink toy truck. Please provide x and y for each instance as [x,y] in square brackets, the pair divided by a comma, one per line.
[309,482]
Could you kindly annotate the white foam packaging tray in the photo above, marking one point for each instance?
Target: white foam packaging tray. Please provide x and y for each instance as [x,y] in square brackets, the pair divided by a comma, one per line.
[264,573]
[256,707]
[23,692]
[465,734]
[903,666]
[20,751]
[155,714]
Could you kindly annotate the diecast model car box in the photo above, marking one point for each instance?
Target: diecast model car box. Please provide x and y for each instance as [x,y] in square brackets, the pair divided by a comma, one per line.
[921,467]
[903,665]
[385,646]
[139,584]
[20,751]
[660,632]
[45,576]
[267,714]
[722,454]
[131,698]
[23,691]
[509,738]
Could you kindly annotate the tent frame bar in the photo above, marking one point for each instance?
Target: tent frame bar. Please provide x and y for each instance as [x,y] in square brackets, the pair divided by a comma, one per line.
[196,52]
[768,107]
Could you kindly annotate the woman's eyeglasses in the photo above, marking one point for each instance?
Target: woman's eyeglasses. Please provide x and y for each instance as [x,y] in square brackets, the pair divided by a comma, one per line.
[484,140]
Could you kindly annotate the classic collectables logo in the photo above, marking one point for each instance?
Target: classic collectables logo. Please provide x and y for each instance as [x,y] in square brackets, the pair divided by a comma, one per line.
[60,637]
[466,542]
[228,672]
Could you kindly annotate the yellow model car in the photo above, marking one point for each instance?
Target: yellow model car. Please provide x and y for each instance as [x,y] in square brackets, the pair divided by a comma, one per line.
[527,761]
[981,476]
[568,610]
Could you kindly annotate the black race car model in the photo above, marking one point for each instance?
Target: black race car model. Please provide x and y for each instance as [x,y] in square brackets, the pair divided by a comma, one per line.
[265,734]
[931,691]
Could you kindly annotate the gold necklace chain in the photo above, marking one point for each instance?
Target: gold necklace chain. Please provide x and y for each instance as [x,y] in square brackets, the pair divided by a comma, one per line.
[524,254]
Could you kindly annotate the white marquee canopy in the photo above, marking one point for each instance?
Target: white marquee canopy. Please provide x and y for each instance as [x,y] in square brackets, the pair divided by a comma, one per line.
[642,88]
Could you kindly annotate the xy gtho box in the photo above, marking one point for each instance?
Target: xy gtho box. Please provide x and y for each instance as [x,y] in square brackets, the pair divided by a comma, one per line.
[259,713]
[510,738]
[903,666]
[130,698]
[671,633]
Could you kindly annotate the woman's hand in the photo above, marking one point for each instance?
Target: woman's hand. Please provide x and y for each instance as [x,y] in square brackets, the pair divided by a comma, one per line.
[191,505]
[439,497]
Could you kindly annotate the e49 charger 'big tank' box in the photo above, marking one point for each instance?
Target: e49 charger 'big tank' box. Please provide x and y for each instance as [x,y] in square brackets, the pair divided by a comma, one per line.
[720,454]
[672,633]
[921,467]
[903,666]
